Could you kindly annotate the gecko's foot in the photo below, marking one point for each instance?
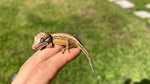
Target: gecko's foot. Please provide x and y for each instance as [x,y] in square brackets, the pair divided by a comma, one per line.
[68,50]
[64,49]
[50,45]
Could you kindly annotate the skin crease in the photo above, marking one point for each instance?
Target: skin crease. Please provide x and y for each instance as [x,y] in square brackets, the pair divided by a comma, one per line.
[44,65]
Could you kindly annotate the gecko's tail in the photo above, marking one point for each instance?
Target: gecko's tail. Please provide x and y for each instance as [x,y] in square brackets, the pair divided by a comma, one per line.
[88,56]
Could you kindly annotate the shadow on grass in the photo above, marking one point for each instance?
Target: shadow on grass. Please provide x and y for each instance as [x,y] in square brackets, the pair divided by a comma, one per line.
[143,81]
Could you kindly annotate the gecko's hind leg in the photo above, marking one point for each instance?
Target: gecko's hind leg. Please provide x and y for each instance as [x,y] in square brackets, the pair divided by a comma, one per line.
[66,47]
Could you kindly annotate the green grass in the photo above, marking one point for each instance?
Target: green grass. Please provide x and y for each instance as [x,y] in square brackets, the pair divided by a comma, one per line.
[118,41]
[140,5]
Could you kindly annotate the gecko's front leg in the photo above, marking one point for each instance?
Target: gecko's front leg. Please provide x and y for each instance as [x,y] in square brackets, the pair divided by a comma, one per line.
[50,45]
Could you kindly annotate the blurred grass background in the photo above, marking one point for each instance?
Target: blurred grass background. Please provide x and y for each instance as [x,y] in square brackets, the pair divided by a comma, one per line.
[118,41]
[140,5]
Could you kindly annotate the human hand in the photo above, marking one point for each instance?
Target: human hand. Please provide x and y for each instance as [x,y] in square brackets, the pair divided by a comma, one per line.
[43,65]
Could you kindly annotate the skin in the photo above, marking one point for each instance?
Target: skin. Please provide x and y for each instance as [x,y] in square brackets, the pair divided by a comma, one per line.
[44,65]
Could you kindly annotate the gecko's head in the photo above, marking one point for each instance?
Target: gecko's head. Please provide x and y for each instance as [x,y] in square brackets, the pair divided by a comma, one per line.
[41,40]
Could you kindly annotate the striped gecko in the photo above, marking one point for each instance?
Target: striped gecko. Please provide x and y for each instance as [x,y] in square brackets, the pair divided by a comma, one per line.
[44,40]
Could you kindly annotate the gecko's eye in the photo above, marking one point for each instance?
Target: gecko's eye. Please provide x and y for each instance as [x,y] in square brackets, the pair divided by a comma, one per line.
[42,40]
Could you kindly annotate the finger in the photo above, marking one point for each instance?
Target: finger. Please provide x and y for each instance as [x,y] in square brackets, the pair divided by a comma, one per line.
[34,60]
[42,55]
[47,70]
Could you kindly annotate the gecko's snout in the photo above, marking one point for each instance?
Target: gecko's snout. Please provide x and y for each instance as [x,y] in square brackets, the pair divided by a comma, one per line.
[34,48]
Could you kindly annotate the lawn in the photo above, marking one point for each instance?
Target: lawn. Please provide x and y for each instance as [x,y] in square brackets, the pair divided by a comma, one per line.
[140,5]
[117,40]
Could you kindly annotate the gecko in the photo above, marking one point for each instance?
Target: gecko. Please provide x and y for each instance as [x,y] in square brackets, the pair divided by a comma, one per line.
[47,40]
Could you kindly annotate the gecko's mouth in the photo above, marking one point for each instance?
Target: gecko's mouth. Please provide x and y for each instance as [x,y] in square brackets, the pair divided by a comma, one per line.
[39,46]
